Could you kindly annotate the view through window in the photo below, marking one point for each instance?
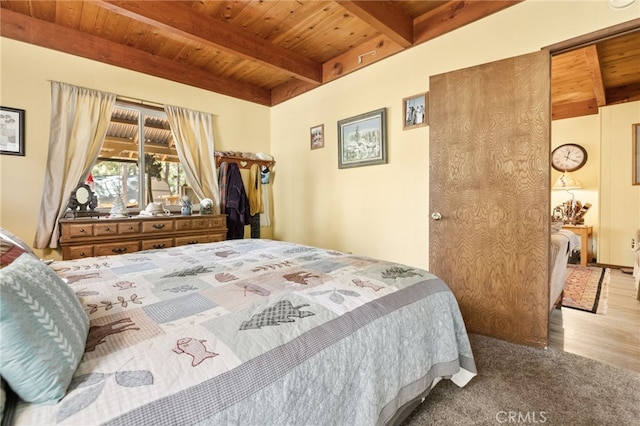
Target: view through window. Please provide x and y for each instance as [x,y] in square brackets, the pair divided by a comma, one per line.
[138,147]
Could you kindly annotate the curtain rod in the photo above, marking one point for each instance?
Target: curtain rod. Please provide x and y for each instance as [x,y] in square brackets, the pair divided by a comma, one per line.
[118,97]
[140,102]
[128,99]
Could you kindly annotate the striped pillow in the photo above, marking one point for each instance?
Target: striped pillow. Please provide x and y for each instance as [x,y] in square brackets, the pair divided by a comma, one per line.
[44,330]
[8,253]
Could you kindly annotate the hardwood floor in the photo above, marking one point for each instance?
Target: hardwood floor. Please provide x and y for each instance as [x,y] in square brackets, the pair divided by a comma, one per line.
[612,338]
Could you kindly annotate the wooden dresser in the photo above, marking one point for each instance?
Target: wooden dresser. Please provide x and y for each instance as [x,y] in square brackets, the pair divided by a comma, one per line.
[82,237]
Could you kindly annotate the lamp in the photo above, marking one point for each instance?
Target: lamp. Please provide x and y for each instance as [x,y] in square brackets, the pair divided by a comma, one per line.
[568,182]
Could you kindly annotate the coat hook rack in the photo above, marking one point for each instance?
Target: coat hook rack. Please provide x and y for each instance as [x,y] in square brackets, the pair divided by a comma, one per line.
[242,161]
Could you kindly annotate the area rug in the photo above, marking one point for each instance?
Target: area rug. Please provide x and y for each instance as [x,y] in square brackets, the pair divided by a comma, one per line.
[587,288]
[522,386]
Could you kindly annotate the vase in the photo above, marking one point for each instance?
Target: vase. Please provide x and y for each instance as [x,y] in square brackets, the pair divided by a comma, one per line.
[185,210]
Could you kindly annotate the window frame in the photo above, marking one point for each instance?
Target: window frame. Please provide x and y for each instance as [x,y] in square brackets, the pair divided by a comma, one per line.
[143,112]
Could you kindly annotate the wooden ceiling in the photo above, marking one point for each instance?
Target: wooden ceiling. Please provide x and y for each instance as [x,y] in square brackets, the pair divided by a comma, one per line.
[268,51]
[596,70]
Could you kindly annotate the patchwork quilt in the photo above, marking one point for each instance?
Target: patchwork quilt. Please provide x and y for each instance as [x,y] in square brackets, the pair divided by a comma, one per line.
[252,332]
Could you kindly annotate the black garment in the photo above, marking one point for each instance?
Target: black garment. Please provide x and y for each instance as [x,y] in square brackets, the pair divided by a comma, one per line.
[255,226]
[237,204]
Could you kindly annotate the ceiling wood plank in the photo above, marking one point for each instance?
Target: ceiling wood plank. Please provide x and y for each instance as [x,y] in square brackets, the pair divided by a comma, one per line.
[179,19]
[453,15]
[34,31]
[595,71]
[389,21]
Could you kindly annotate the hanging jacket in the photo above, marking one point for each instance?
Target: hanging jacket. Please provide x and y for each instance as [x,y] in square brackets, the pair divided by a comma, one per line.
[255,190]
[237,204]
[222,185]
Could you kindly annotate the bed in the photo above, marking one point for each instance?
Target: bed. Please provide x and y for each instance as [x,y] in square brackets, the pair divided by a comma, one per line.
[241,332]
[563,244]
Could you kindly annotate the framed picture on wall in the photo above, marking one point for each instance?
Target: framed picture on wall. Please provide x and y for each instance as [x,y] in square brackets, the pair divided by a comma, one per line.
[636,154]
[362,140]
[415,111]
[317,136]
[11,131]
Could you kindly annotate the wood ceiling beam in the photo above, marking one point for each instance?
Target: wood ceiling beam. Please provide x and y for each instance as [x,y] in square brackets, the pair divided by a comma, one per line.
[453,15]
[350,61]
[41,33]
[574,109]
[181,20]
[339,66]
[622,94]
[290,90]
[389,21]
[595,71]
[120,145]
[127,121]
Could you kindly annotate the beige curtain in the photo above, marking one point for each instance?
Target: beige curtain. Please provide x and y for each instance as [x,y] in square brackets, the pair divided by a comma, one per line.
[79,120]
[193,134]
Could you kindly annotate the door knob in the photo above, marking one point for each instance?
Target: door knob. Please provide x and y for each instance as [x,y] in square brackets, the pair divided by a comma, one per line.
[436,216]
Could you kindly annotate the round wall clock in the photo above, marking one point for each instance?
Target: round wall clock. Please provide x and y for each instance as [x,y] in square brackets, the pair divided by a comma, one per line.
[568,157]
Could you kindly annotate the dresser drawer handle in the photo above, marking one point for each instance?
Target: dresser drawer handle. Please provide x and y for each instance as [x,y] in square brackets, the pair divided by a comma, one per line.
[82,230]
[83,254]
[119,250]
[159,246]
[131,228]
[107,229]
[192,242]
[158,225]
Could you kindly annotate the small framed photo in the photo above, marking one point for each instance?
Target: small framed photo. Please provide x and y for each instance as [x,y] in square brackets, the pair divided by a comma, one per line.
[317,136]
[415,111]
[11,131]
[362,140]
[635,140]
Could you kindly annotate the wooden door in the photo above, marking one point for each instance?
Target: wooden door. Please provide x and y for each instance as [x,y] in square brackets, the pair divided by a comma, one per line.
[489,181]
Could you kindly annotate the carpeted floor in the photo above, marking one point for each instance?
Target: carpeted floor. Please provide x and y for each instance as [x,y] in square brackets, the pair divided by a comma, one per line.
[522,385]
[587,288]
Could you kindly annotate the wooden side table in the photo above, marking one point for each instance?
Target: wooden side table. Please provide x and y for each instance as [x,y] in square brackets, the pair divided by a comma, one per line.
[584,232]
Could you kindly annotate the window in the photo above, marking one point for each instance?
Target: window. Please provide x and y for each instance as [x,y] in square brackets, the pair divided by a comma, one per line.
[138,147]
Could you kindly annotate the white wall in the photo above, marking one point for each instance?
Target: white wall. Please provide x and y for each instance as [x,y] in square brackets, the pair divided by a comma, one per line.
[383,210]
[377,210]
[619,199]
[584,131]
[605,178]
[25,73]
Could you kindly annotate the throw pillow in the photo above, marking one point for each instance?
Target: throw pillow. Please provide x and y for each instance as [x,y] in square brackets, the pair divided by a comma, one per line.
[13,238]
[556,226]
[44,330]
[8,252]
[3,399]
